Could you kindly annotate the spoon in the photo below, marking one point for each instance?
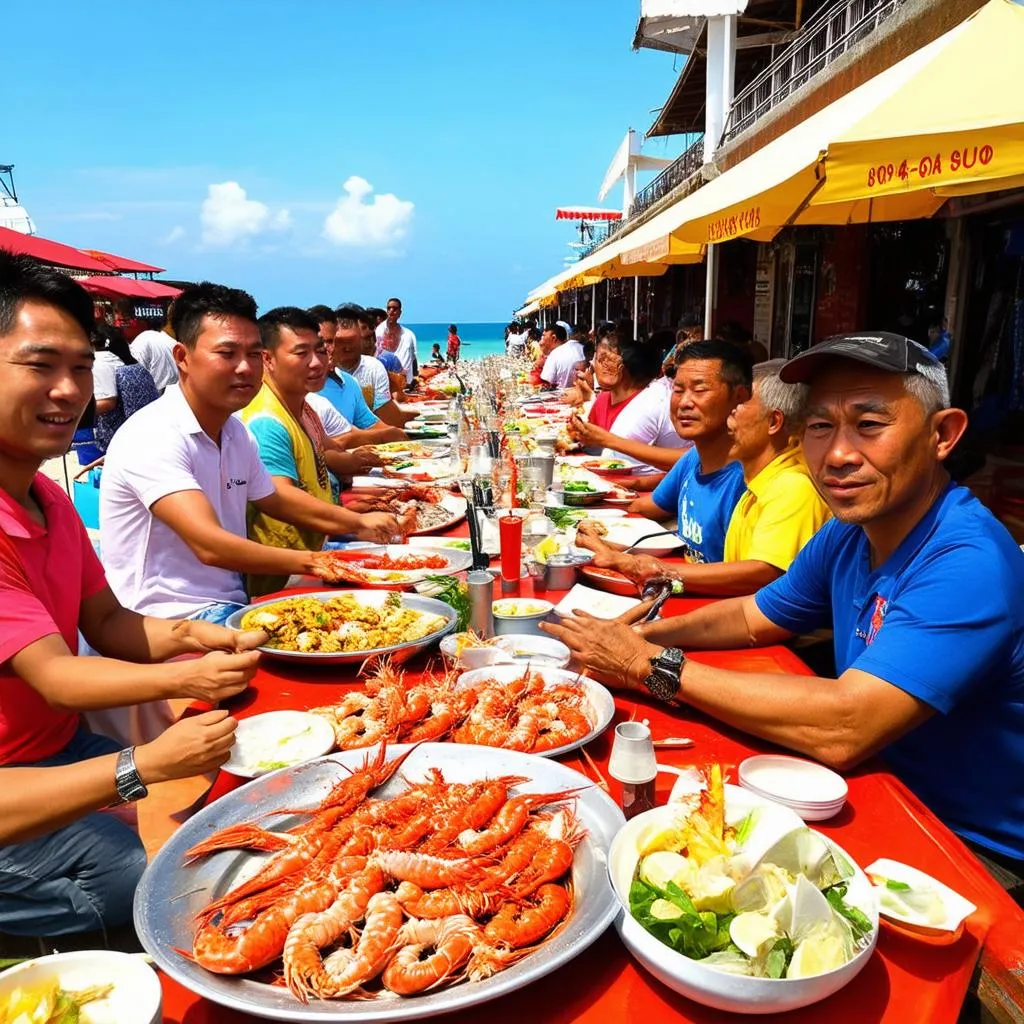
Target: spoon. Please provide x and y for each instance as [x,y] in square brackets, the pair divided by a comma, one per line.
[648,536]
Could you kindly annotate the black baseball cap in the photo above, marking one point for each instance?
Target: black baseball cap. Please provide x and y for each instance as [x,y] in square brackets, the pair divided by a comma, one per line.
[880,349]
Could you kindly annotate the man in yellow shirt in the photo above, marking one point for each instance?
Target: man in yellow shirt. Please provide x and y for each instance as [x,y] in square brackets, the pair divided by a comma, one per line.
[781,510]
[777,515]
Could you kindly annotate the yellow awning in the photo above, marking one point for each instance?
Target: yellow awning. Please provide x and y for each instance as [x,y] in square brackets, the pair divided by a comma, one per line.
[527,310]
[955,126]
[768,190]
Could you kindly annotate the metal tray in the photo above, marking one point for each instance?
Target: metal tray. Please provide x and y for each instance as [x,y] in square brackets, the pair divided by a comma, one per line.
[399,652]
[170,894]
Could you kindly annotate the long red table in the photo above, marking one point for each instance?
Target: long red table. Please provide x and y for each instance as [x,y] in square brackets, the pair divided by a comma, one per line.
[905,981]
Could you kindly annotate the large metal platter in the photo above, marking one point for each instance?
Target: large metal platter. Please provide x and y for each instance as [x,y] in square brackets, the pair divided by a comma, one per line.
[399,652]
[170,894]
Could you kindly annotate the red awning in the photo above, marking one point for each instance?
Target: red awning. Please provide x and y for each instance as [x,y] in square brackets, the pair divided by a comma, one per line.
[586,213]
[127,288]
[122,264]
[50,252]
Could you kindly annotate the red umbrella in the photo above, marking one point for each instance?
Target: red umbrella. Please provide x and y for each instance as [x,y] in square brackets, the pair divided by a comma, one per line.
[126,287]
[122,264]
[49,252]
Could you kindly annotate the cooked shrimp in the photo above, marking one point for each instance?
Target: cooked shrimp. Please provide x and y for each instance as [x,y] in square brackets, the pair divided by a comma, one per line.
[554,858]
[425,871]
[509,821]
[522,923]
[451,938]
[346,970]
[445,902]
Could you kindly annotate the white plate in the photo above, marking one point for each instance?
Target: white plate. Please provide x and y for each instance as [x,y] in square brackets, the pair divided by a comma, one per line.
[455,561]
[956,907]
[448,543]
[524,648]
[717,989]
[277,739]
[628,531]
[793,781]
[171,893]
[599,603]
[136,997]
[598,703]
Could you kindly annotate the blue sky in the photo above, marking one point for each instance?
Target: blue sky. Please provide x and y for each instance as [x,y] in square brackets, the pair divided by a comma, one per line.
[237,141]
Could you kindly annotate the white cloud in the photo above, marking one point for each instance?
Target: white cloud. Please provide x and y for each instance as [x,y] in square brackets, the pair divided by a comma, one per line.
[228,216]
[359,223]
[174,235]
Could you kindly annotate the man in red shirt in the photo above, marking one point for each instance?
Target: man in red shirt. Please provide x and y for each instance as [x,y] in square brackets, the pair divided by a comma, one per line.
[65,867]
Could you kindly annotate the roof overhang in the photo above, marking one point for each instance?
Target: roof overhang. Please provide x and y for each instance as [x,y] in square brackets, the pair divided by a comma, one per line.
[675,26]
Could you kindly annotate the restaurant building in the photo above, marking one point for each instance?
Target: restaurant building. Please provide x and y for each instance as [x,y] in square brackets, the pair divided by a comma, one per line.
[849,164]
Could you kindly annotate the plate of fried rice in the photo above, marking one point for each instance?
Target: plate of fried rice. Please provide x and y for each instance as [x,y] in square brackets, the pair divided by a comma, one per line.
[329,627]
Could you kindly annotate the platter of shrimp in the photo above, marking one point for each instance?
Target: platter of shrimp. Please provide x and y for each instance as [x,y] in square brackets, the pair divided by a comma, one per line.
[538,710]
[394,883]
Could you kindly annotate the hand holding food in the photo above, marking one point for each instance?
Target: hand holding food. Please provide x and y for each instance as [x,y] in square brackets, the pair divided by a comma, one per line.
[218,675]
[380,527]
[203,637]
[192,746]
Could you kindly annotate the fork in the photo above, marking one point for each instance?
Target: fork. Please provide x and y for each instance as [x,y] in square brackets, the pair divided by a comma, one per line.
[648,536]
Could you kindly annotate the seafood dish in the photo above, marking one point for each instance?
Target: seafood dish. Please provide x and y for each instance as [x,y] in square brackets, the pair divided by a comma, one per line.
[392,452]
[419,508]
[345,623]
[391,565]
[369,897]
[540,712]
[726,891]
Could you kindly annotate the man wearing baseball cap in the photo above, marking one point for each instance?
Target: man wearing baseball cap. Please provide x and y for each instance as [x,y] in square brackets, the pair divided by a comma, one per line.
[920,583]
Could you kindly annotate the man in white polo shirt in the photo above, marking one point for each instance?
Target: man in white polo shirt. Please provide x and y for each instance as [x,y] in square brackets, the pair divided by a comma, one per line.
[560,366]
[180,474]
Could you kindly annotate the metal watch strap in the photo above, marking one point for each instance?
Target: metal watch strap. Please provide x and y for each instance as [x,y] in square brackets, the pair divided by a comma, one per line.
[130,786]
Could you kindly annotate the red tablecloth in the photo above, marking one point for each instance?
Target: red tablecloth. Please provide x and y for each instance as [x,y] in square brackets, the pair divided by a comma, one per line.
[906,981]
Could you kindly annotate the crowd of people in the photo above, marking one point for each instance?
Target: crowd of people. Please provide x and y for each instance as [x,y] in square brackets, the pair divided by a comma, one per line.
[809,494]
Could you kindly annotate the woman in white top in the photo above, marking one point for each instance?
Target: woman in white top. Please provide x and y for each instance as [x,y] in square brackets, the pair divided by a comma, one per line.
[634,423]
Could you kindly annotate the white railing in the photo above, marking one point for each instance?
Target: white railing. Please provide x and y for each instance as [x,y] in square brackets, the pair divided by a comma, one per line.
[827,36]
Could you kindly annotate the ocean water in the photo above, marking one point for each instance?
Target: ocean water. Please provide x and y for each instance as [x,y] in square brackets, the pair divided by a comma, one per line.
[478,340]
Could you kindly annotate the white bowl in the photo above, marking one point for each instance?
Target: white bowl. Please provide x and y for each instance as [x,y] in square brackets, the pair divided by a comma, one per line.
[277,739]
[504,623]
[812,790]
[705,985]
[524,648]
[135,999]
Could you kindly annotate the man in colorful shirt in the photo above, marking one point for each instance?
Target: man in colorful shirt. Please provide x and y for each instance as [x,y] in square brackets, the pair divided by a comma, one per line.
[920,584]
[393,337]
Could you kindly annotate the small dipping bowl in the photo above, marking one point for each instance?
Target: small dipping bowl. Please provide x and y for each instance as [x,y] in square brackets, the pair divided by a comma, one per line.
[520,615]
[561,572]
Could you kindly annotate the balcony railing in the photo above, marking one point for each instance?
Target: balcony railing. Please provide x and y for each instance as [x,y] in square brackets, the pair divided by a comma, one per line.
[675,174]
[826,37]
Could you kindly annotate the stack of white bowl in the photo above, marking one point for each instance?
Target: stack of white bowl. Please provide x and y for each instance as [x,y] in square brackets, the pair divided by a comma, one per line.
[813,791]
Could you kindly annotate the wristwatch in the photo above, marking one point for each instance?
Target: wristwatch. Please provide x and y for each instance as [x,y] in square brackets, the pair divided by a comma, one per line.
[130,786]
[665,675]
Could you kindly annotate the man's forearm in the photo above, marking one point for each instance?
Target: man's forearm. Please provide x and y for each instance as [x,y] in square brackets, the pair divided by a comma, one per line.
[37,801]
[727,579]
[721,626]
[804,713]
[128,636]
[660,458]
[302,509]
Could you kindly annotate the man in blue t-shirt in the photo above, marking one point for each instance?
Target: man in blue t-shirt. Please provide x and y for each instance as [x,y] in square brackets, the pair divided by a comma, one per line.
[703,487]
[921,585]
[342,390]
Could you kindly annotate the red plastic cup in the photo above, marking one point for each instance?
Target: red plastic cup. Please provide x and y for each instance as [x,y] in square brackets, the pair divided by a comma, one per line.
[510,537]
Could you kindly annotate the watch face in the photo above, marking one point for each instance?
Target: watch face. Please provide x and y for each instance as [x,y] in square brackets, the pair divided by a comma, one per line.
[663,684]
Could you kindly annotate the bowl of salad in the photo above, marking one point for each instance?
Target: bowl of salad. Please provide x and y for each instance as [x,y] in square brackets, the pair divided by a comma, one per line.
[578,493]
[730,900]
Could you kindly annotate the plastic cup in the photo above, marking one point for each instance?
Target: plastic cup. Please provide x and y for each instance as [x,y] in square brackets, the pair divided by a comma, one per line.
[510,540]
